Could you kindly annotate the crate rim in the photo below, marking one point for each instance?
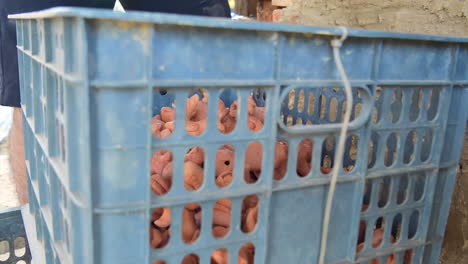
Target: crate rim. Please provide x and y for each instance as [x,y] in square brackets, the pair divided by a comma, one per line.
[211,22]
[10,211]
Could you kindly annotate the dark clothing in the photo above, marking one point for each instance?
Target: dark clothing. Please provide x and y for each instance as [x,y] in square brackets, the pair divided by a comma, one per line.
[216,8]
[9,83]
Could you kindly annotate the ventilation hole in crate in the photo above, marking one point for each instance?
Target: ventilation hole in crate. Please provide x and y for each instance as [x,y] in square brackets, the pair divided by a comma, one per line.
[396,227]
[359,93]
[323,106]
[390,150]
[191,222]
[224,165]
[60,88]
[361,234]
[161,172]
[246,254]
[163,121]
[384,192]
[191,259]
[300,101]
[413,224]
[253,162]
[329,143]
[160,227]
[367,195]
[66,233]
[375,116]
[227,111]
[373,144]
[289,121]
[4,250]
[196,112]
[299,121]
[390,259]
[44,121]
[391,116]
[376,261]
[20,246]
[281,160]
[415,104]
[221,218]
[291,97]
[64,150]
[249,213]
[402,193]
[360,247]
[343,110]
[378,93]
[410,141]
[396,105]
[256,113]
[311,104]
[357,110]
[328,152]
[63,196]
[264,96]
[433,104]
[21,262]
[332,112]
[194,169]
[408,257]
[351,151]
[426,145]
[419,183]
[57,149]
[378,234]
[304,157]
[327,162]
[220,256]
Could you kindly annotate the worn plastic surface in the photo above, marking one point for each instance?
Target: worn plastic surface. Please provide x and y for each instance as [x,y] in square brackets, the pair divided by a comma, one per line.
[14,246]
[91,80]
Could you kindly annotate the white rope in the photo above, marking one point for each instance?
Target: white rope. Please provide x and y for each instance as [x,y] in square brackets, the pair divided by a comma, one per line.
[336,45]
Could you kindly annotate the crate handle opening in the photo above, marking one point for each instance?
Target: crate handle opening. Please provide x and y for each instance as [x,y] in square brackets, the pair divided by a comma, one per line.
[361,120]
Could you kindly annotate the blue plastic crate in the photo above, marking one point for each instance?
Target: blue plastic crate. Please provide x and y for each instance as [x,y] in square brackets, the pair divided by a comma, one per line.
[14,246]
[91,80]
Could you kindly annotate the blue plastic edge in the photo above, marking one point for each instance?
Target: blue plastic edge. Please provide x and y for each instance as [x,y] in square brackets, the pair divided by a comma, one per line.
[185,20]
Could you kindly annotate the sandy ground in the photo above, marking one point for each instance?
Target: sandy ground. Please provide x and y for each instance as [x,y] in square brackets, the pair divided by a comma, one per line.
[8,196]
